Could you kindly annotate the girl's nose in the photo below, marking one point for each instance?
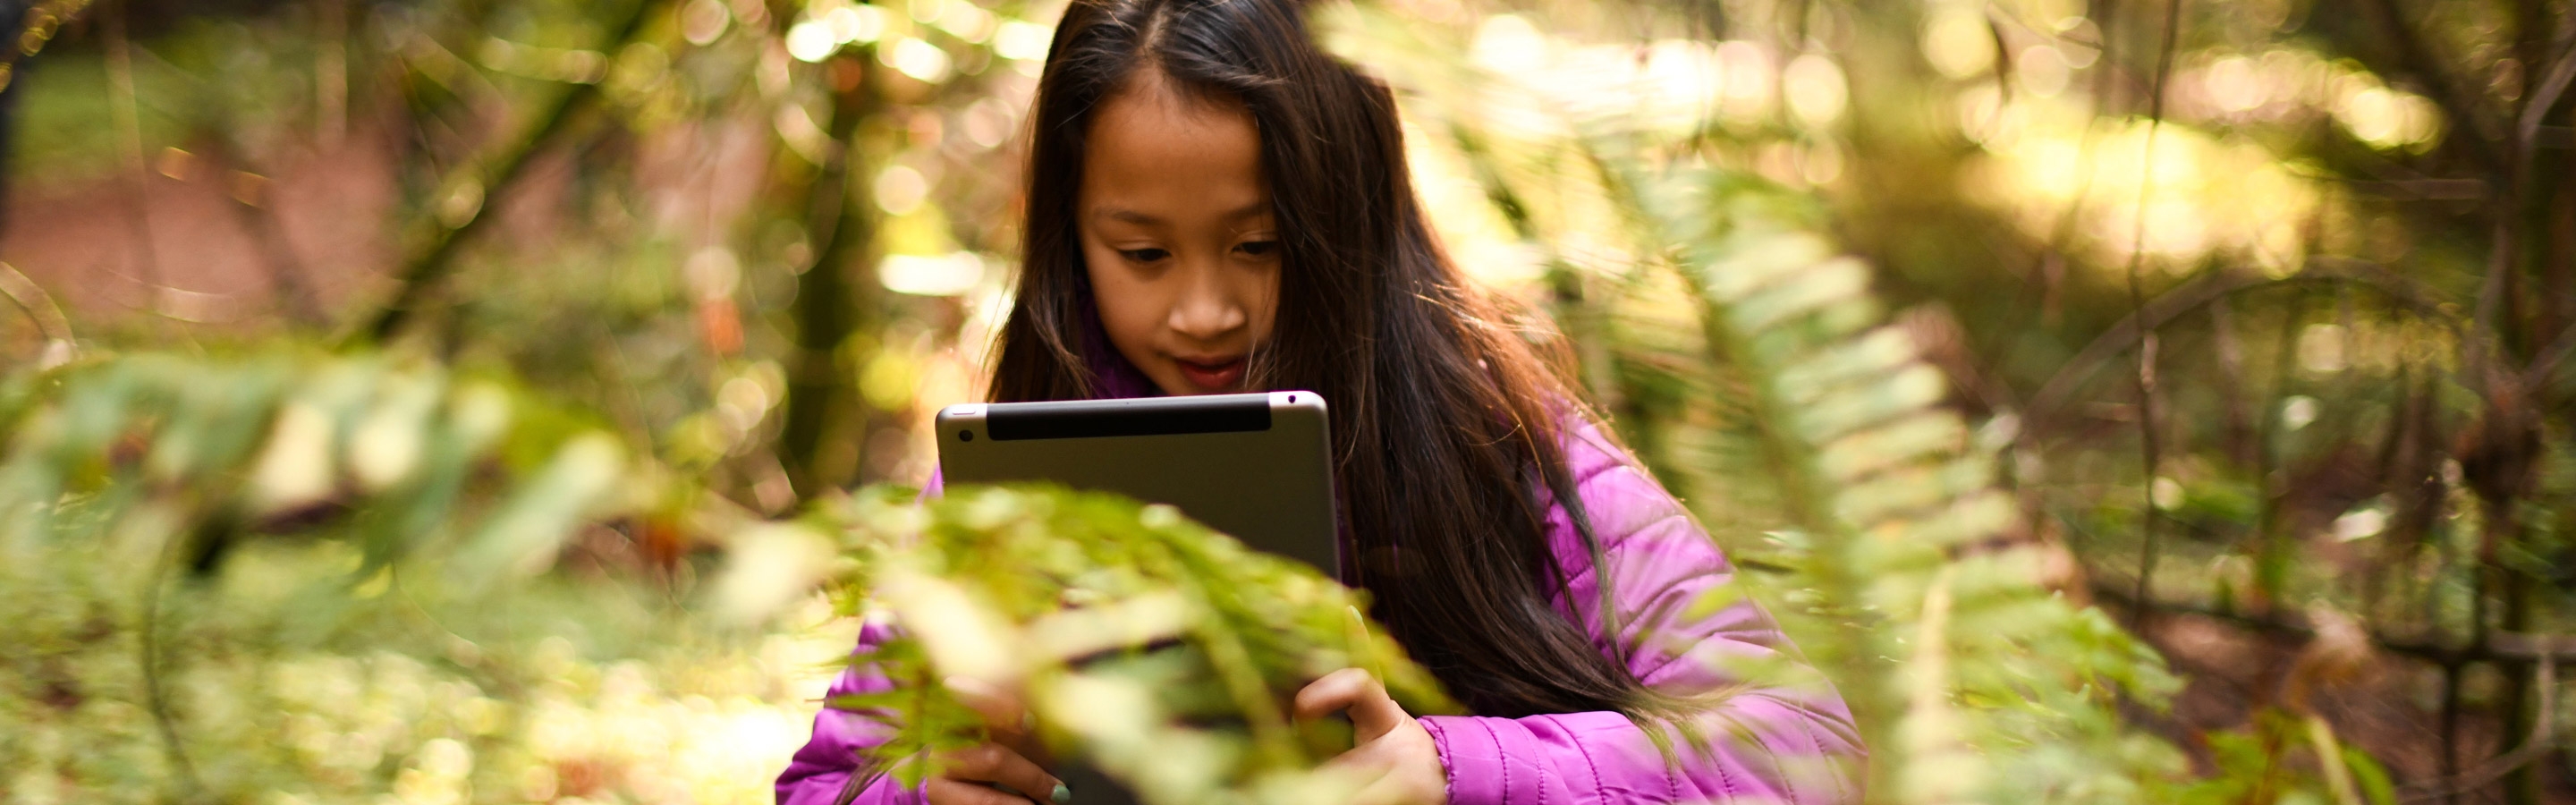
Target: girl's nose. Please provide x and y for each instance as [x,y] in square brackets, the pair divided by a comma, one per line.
[1208,307]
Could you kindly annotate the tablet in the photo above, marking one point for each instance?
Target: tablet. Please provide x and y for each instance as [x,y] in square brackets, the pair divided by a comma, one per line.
[1254,466]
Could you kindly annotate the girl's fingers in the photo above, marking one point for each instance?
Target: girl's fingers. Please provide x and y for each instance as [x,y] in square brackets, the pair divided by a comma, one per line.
[1332,694]
[1398,759]
[995,763]
[1373,713]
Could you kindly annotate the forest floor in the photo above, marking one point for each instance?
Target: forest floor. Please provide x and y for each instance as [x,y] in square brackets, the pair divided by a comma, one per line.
[204,242]
[315,235]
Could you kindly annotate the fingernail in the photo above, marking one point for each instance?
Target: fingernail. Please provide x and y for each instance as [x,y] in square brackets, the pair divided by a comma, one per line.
[1061,794]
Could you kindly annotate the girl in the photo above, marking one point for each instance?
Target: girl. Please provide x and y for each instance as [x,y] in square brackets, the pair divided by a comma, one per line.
[1216,205]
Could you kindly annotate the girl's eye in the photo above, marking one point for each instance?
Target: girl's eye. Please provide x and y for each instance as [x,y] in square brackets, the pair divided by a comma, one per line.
[1259,248]
[1144,255]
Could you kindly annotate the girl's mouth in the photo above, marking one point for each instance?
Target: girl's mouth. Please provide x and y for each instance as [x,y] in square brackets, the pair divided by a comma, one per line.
[1217,376]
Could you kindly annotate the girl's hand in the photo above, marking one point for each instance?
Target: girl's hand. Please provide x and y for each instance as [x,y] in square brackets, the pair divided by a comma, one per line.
[967,775]
[1010,756]
[1390,743]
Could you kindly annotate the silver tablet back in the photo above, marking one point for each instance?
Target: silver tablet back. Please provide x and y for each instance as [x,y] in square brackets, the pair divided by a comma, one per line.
[1256,466]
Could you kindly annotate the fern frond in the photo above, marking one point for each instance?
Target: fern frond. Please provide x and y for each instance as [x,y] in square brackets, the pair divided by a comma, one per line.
[1971,680]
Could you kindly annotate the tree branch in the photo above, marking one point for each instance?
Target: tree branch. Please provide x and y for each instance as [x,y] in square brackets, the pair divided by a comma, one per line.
[435,256]
[2174,304]
[2499,645]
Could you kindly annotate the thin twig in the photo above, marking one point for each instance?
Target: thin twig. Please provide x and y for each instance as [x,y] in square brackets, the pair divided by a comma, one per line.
[2148,443]
[2547,360]
[146,265]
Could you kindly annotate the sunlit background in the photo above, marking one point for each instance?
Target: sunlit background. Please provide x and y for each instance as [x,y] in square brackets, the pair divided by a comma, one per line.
[240,172]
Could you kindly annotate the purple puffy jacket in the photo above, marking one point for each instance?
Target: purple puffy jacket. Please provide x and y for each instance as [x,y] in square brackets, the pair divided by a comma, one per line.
[1771,743]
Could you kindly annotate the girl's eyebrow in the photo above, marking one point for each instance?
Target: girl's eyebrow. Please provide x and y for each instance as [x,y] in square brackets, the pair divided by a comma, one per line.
[1252,210]
[1125,215]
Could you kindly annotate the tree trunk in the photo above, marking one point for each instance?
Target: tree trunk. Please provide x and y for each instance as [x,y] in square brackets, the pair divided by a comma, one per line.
[824,421]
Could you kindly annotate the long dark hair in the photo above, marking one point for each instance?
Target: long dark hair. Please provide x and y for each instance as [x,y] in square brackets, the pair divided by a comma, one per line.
[1446,420]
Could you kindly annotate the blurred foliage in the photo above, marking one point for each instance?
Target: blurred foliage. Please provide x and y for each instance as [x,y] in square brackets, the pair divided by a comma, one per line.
[1159,650]
[294,577]
[412,395]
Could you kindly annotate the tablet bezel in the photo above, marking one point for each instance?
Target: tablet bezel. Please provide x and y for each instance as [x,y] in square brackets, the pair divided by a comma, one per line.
[1191,439]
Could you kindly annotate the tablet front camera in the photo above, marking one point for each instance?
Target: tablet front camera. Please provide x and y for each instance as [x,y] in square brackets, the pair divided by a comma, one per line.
[965,435]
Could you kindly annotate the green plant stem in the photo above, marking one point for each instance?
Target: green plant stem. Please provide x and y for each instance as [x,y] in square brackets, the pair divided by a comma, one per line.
[155,695]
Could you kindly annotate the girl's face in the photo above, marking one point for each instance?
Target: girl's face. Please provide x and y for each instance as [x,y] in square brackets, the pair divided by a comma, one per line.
[1178,235]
